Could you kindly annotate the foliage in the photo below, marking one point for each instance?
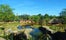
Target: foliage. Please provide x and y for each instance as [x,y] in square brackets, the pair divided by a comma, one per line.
[35,18]
[25,17]
[63,16]
[6,13]
[46,18]
[41,19]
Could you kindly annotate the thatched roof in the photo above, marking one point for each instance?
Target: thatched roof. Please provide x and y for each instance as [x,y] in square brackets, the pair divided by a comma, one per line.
[55,21]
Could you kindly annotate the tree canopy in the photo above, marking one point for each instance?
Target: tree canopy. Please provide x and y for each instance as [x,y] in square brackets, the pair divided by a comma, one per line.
[6,13]
[63,15]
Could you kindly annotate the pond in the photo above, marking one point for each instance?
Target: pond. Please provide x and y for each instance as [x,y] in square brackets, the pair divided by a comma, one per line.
[35,31]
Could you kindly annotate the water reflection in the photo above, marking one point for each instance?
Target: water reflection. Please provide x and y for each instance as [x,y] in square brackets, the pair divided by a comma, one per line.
[35,33]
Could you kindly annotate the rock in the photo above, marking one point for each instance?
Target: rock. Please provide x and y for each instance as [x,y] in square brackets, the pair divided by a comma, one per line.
[52,31]
[27,32]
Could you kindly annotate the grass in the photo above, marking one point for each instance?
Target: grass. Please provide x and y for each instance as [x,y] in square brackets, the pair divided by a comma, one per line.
[36,26]
[58,28]
[10,25]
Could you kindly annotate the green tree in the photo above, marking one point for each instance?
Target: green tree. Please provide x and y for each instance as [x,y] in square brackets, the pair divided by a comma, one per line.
[35,18]
[24,17]
[40,19]
[6,13]
[17,18]
[46,18]
[63,15]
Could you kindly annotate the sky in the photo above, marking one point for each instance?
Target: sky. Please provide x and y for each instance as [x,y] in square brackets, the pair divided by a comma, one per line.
[34,7]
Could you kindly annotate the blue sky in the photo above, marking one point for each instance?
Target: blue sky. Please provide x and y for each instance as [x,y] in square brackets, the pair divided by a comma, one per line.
[34,7]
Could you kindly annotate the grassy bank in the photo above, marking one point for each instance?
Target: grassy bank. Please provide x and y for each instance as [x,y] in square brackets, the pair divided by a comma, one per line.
[58,28]
[8,25]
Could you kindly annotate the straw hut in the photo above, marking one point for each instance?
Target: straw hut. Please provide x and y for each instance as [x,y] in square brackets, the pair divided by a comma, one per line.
[55,21]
